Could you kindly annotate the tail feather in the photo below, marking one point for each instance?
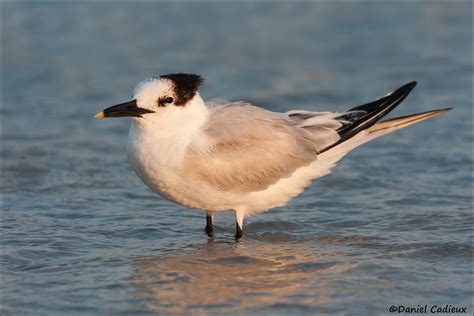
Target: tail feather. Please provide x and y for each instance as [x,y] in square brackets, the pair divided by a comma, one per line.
[330,157]
[362,124]
[391,125]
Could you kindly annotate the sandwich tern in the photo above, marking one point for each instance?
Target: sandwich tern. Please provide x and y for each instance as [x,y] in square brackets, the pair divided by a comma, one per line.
[220,156]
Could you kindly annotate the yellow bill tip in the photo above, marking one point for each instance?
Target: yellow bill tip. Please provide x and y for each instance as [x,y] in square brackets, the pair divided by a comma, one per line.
[99,115]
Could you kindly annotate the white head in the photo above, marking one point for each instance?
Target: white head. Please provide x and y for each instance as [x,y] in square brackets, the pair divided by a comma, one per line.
[168,101]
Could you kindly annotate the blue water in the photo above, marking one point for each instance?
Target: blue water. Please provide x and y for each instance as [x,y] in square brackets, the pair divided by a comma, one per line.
[81,235]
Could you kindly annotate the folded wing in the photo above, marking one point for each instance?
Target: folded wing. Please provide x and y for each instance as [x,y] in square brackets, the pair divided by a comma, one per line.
[249,148]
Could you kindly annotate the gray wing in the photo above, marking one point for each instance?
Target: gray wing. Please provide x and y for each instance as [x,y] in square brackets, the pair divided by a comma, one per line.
[250,148]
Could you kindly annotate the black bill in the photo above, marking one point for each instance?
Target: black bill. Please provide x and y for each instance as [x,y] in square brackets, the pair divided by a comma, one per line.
[127,109]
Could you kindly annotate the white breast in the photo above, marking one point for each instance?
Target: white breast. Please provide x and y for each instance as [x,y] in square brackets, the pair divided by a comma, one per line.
[155,162]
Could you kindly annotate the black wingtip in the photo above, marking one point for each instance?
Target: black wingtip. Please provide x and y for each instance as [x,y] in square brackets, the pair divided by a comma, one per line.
[412,84]
[371,113]
[391,99]
[405,89]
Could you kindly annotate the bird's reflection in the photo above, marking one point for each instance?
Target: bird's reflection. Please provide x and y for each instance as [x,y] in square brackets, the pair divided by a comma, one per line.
[225,277]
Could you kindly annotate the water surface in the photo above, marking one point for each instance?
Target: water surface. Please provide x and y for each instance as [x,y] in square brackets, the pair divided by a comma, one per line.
[81,235]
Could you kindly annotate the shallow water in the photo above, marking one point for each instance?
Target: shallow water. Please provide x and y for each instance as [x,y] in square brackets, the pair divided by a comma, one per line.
[81,235]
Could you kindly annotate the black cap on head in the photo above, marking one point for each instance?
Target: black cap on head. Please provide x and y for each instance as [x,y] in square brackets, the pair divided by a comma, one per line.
[185,86]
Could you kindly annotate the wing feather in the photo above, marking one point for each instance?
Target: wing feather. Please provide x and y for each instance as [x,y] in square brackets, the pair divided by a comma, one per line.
[250,148]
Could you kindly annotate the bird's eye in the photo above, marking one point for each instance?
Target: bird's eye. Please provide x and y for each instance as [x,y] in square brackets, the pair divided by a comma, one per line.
[165,101]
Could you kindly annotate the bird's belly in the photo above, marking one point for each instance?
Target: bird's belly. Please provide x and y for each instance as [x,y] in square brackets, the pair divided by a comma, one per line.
[166,179]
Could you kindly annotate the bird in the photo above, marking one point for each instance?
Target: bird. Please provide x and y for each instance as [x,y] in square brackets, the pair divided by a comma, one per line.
[234,156]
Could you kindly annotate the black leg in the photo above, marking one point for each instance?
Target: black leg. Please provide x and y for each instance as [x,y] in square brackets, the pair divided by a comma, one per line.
[238,231]
[209,228]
